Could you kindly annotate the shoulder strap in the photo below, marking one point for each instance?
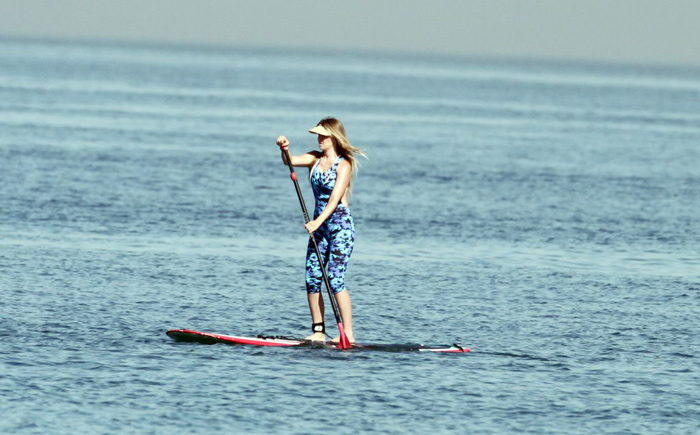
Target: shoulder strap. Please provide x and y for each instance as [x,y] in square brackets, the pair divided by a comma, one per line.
[311,172]
[335,164]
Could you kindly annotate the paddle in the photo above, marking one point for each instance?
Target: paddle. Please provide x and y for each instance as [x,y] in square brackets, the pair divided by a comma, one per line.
[344,343]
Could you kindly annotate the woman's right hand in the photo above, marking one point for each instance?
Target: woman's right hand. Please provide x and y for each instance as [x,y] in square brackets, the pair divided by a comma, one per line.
[283,143]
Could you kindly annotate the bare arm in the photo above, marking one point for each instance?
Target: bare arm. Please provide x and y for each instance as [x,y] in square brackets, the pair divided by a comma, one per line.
[344,173]
[306,160]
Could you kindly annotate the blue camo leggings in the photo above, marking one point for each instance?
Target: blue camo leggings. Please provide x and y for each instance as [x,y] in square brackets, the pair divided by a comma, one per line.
[335,239]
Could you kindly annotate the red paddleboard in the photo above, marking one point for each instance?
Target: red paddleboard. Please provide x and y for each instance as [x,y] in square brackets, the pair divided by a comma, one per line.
[209,338]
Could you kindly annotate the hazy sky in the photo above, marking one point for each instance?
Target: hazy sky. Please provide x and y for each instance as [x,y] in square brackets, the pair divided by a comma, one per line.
[655,31]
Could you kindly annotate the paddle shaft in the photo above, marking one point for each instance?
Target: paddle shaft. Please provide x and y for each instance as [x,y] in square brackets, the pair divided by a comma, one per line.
[331,296]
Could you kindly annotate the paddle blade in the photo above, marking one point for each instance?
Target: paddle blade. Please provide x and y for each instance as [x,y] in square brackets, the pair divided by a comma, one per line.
[343,343]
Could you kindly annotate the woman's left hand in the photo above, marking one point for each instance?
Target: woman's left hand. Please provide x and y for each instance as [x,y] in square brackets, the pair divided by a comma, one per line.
[312,226]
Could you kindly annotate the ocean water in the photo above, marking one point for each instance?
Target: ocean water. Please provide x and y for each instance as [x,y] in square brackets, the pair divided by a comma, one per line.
[545,214]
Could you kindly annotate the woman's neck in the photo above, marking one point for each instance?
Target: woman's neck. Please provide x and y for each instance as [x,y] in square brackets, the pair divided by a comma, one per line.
[330,154]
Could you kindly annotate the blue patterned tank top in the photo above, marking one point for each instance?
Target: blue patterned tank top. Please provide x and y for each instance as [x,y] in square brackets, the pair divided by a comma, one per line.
[322,184]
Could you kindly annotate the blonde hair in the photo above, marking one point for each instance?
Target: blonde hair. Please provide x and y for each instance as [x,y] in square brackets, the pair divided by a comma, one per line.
[344,147]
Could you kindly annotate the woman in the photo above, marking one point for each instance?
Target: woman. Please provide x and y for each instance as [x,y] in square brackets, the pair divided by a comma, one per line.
[331,170]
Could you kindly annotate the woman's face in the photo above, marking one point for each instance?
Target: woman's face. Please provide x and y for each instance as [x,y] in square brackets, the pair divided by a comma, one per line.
[324,142]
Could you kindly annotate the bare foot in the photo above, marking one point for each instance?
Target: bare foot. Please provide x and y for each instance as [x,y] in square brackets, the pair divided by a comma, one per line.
[316,336]
[350,335]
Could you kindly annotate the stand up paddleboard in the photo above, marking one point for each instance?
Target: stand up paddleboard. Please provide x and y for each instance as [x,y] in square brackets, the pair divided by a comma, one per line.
[188,335]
